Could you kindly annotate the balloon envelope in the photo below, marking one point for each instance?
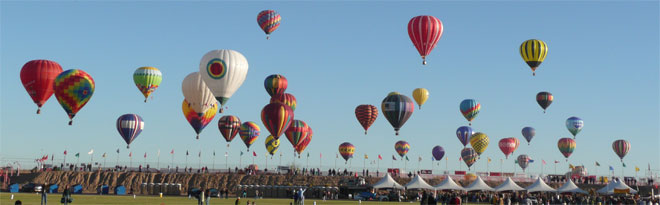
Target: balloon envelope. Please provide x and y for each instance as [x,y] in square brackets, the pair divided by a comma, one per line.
[366,115]
[401,148]
[479,142]
[275,84]
[223,71]
[566,146]
[286,99]
[574,125]
[147,79]
[129,127]
[397,109]
[533,52]
[272,144]
[507,145]
[544,99]
[38,78]
[420,95]
[621,148]
[424,32]
[523,161]
[229,126]
[277,117]
[528,133]
[249,133]
[197,94]
[438,152]
[73,89]
[469,156]
[268,21]
[346,150]
[470,109]
[464,133]
[198,122]
[297,132]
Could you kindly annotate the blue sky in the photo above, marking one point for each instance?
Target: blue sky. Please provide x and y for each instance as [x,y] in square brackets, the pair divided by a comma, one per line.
[602,66]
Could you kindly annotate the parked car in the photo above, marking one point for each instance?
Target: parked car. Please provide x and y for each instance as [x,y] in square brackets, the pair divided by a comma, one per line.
[364,196]
[31,187]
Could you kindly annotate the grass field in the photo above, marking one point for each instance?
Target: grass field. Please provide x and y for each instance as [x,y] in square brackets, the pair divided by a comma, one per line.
[5,199]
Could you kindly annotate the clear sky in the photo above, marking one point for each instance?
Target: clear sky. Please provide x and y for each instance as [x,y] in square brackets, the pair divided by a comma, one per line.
[602,66]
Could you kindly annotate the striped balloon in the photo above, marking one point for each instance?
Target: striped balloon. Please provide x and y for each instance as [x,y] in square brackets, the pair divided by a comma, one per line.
[229,126]
[276,117]
[275,84]
[129,127]
[38,77]
[574,125]
[198,122]
[301,147]
[297,132]
[544,99]
[397,109]
[147,80]
[366,115]
[73,89]
[346,150]
[470,109]
[479,142]
[523,161]
[424,32]
[517,144]
[621,148]
[464,133]
[402,148]
[285,98]
[533,52]
[469,156]
[566,146]
[249,133]
[268,20]
[272,145]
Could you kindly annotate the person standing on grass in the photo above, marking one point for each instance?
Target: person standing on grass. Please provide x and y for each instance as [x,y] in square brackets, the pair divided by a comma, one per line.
[44,198]
[238,200]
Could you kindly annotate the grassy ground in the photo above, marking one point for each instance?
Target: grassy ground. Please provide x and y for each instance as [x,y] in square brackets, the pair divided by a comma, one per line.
[112,199]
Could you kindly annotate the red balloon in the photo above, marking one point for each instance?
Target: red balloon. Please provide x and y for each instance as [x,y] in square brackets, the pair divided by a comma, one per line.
[276,118]
[285,98]
[424,32]
[38,78]
[366,115]
[508,145]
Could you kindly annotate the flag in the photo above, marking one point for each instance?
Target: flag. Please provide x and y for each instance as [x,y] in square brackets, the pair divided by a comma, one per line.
[556,161]
[624,164]
[320,155]
[365,156]
[543,161]
[515,162]
[597,164]
[187,153]
[531,161]
[611,168]
[460,159]
[158,153]
[336,155]
[488,159]
[255,154]
[145,155]
[213,152]
[432,158]
[172,152]
[130,154]
[227,154]
[77,154]
[393,158]
[407,158]
[117,151]
[103,155]
[636,169]
[200,153]
[241,153]
[571,166]
[64,152]
[91,152]
[419,159]
[380,157]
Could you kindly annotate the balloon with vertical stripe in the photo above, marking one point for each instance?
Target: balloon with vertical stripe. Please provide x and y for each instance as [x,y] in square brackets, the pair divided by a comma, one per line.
[38,77]
[129,127]
[285,98]
[424,32]
[366,115]
[73,89]
[533,52]
[197,121]
[147,79]
[566,147]
[469,156]
[276,117]
[621,148]
[268,20]
[523,161]
[275,84]
[229,126]
[464,133]
[544,99]
[297,132]
[470,109]
[249,133]
[397,109]
[301,147]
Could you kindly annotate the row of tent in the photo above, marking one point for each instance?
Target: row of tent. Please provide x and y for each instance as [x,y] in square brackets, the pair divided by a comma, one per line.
[53,188]
[615,186]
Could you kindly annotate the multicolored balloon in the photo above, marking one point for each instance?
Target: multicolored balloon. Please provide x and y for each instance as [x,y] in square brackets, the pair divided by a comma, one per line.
[528,133]
[73,89]
[566,146]
[223,71]
[346,150]
[401,148]
[272,145]
[438,153]
[420,95]
[533,52]
[277,117]
[424,32]
[397,109]
[129,127]
[147,79]
[479,142]
[198,122]
[268,20]
[523,161]
[517,143]
[366,115]
[621,148]
[197,94]
[470,109]
[469,156]
[38,77]
[507,145]
[297,132]
[301,147]
[544,99]
[574,125]
[286,99]
[229,126]
[249,133]
[464,133]
[275,84]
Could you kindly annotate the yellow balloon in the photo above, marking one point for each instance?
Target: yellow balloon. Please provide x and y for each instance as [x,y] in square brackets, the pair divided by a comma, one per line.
[479,142]
[420,95]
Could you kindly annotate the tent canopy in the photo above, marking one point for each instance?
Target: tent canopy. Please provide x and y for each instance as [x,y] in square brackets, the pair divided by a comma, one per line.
[418,183]
[570,187]
[508,185]
[479,185]
[387,182]
[539,186]
[616,187]
[448,184]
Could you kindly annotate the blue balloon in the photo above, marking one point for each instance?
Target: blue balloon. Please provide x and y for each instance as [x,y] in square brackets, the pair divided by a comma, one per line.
[438,152]
[528,133]
[574,125]
[129,127]
[464,133]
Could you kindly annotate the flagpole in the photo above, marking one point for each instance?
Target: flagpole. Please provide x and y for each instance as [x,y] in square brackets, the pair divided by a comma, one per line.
[131,160]
[226,163]
[501,168]
[308,160]
[117,158]
[213,165]
[104,160]
[158,160]
[91,160]
[320,160]
[186,167]
[172,163]
[266,160]
[200,159]
[555,168]
[281,160]
[240,161]
[64,162]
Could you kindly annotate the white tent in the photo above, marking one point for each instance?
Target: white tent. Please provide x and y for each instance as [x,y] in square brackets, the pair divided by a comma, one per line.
[478,185]
[418,183]
[387,182]
[616,186]
[569,186]
[539,186]
[508,185]
[448,184]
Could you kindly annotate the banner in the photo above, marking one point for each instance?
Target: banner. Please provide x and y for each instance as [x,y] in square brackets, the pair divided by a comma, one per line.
[426,171]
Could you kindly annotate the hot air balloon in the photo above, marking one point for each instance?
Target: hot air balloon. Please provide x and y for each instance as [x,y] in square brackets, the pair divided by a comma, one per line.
[523,161]
[297,132]
[420,95]
[470,109]
[223,71]
[249,133]
[38,77]
[197,94]
[479,142]
[402,148]
[424,32]
[272,145]
[528,133]
[198,122]
[469,156]
[621,148]
[507,145]
[544,99]
[286,99]
[397,109]
[229,126]
[301,147]
[533,52]
[73,89]
[147,80]
[346,150]
[275,84]
[268,20]
[566,147]
[438,152]
[366,115]
[515,140]
[574,125]
[276,118]
[129,127]
[464,133]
